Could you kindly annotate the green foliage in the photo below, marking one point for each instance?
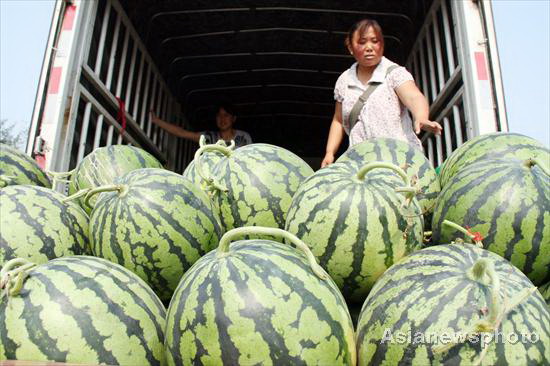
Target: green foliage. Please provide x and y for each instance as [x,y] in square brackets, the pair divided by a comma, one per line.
[10,137]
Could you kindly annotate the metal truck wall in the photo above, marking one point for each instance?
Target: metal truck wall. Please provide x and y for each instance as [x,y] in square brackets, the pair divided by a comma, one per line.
[102,84]
[450,64]
[99,83]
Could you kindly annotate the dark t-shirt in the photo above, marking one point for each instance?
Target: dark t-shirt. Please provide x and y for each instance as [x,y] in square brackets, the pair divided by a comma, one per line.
[241,138]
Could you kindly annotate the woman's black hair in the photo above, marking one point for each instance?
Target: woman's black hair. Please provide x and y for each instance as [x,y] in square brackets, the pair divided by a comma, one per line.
[362,25]
[229,108]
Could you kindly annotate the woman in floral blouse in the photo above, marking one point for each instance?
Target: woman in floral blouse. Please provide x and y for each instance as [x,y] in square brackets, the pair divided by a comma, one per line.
[384,113]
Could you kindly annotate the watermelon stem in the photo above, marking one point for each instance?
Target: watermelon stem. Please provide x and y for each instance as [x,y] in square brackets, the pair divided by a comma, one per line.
[77,195]
[475,238]
[121,188]
[480,269]
[498,308]
[381,165]
[409,191]
[529,163]
[202,142]
[223,247]
[198,165]
[13,275]
[59,177]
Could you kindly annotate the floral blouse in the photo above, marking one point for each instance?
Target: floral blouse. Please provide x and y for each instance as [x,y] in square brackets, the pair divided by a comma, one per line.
[383,115]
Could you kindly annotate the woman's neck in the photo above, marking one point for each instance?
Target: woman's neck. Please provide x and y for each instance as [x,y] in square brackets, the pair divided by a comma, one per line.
[364,73]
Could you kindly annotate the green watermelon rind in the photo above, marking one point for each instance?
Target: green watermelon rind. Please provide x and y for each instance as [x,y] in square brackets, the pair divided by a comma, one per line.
[497,145]
[258,303]
[106,164]
[355,228]
[17,167]
[427,299]
[261,180]
[508,204]
[83,310]
[157,228]
[38,225]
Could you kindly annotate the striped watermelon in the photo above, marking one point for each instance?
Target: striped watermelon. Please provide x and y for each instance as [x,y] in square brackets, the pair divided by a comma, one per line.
[436,294]
[258,302]
[208,160]
[17,167]
[545,292]
[410,159]
[105,164]
[157,225]
[37,224]
[355,222]
[508,202]
[83,310]
[498,145]
[260,180]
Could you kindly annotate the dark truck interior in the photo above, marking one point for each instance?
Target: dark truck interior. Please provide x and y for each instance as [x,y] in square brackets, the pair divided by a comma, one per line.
[276,61]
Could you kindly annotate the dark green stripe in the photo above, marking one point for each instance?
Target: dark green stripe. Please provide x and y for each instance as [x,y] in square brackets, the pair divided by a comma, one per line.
[93,338]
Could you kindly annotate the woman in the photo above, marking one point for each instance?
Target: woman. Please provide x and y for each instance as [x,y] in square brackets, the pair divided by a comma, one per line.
[225,119]
[384,113]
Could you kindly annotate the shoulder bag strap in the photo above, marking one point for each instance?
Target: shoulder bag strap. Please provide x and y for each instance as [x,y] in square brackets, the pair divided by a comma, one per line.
[354,114]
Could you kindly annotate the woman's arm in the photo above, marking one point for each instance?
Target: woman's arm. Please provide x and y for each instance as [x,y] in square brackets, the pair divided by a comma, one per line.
[416,102]
[335,136]
[175,130]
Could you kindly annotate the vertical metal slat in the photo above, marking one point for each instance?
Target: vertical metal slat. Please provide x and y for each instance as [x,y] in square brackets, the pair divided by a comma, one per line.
[138,89]
[131,75]
[122,65]
[113,54]
[98,131]
[152,105]
[448,139]
[448,39]
[457,124]
[439,54]
[431,151]
[439,149]
[84,131]
[104,25]
[431,66]
[425,89]
[144,105]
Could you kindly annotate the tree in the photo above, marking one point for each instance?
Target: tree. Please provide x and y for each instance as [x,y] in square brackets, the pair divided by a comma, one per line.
[9,135]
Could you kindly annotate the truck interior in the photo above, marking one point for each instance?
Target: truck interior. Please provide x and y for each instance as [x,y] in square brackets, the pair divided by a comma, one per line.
[276,61]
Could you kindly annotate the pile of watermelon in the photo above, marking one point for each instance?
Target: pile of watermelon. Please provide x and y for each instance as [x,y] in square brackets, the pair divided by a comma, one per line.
[251,257]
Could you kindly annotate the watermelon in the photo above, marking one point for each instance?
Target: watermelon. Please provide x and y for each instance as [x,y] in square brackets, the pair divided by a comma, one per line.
[105,164]
[545,292]
[499,145]
[258,302]
[410,159]
[81,310]
[37,224]
[508,202]
[17,167]
[208,160]
[355,222]
[156,224]
[255,184]
[421,307]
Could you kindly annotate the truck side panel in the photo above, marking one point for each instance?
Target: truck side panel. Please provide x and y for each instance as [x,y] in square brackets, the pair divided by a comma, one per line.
[100,72]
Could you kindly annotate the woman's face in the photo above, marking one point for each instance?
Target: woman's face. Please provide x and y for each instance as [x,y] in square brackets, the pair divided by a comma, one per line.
[224,120]
[366,47]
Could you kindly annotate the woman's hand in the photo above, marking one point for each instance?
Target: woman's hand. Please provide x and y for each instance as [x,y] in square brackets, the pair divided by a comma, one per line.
[427,125]
[327,160]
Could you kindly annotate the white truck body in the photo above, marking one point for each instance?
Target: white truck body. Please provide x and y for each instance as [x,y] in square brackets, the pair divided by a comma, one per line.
[95,58]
